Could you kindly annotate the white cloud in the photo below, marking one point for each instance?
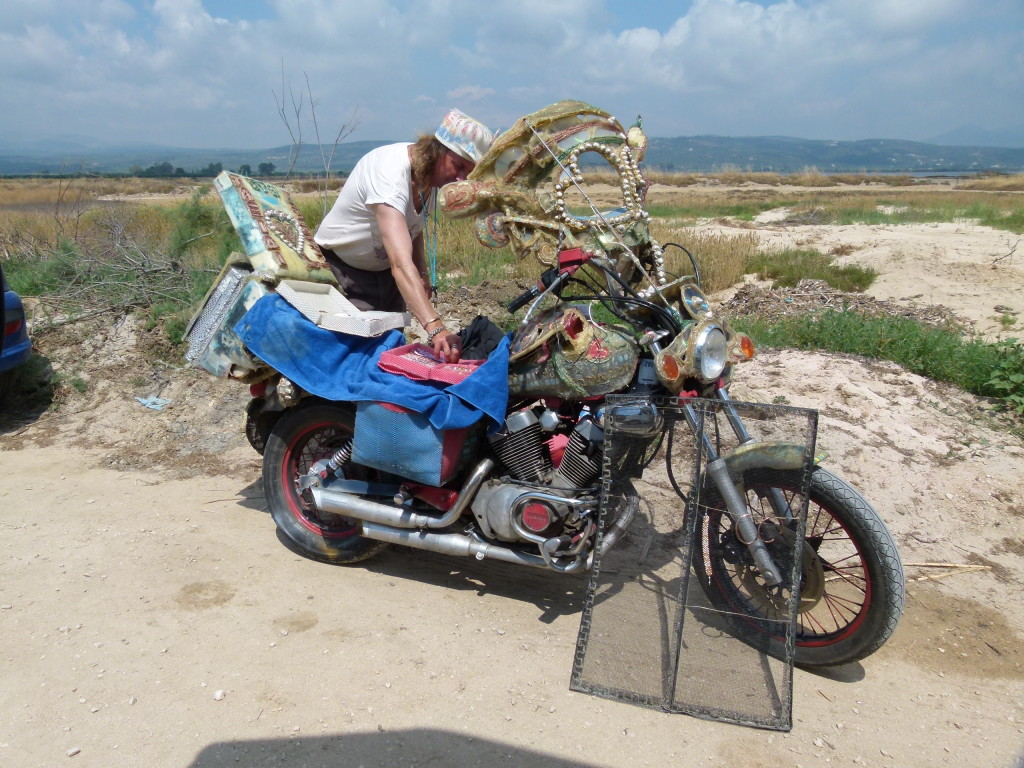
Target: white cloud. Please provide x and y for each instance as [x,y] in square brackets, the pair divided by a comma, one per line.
[905,16]
[182,17]
[37,56]
[470,93]
[170,71]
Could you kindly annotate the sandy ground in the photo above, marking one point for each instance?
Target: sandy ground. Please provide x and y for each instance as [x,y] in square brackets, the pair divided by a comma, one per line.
[978,272]
[150,616]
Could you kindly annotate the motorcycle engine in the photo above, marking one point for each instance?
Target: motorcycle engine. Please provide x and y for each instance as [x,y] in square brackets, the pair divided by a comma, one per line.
[550,464]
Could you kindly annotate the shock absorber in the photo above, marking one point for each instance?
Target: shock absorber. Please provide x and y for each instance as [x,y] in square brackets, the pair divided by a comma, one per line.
[339,458]
[324,469]
[332,466]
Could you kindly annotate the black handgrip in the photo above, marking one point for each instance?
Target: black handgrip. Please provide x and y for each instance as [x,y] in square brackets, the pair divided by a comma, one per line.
[550,277]
[523,299]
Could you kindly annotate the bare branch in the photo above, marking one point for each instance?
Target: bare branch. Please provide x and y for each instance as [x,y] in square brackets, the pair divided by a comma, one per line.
[294,130]
[312,111]
[294,124]
[1006,255]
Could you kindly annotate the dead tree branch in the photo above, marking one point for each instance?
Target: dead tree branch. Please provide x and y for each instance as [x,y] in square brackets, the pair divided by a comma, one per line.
[291,110]
[294,128]
[1006,255]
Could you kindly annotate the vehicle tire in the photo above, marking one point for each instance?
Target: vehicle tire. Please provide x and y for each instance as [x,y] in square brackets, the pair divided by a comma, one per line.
[6,380]
[851,576]
[259,423]
[300,438]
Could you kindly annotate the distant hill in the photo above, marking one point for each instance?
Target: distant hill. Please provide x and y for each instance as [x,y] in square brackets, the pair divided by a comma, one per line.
[64,161]
[976,136]
[779,154]
[787,155]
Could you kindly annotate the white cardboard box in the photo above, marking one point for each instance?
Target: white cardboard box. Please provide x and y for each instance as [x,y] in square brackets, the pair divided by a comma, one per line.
[324,305]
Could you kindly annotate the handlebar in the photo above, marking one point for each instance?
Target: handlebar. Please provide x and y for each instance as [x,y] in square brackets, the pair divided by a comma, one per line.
[552,279]
[523,299]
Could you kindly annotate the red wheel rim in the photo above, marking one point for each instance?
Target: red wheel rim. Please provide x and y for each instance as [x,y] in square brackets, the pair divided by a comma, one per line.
[317,441]
[843,604]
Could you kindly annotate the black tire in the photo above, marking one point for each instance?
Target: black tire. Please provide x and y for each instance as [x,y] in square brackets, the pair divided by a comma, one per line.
[299,438]
[851,582]
[257,429]
[6,380]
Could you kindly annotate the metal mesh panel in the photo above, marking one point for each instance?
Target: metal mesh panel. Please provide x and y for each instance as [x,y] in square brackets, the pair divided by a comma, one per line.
[211,316]
[678,616]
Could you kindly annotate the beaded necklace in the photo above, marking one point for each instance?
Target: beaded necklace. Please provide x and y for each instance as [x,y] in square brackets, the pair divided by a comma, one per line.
[430,237]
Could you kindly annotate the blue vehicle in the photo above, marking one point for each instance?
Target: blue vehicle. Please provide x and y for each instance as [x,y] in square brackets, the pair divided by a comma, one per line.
[15,346]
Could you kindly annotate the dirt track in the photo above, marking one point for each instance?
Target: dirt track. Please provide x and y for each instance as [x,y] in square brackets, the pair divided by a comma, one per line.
[151,616]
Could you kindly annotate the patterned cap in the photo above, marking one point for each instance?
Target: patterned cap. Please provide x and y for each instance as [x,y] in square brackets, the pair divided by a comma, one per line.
[464,136]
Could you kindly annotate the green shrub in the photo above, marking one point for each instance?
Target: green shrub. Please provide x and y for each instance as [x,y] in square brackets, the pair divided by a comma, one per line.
[42,271]
[936,353]
[1007,377]
[193,221]
[789,267]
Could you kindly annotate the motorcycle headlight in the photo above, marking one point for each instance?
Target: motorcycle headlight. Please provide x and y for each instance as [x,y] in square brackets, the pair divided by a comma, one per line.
[711,351]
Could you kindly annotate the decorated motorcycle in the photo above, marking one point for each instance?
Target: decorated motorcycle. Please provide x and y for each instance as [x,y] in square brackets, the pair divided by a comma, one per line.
[533,455]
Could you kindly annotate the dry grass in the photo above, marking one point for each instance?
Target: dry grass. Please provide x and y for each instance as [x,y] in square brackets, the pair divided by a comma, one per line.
[38,214]
[712,198]
[670,179]
[1001,183]
[809,177]
[315,186]
[80,253]
[720,257]
[65,192]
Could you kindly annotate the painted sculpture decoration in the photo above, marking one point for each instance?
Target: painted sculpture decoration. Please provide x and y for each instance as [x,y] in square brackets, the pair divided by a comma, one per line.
[523,191]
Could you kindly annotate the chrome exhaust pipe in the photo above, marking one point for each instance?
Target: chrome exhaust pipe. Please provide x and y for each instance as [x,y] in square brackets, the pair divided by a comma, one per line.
[349,505]
[402,526]
[456,544]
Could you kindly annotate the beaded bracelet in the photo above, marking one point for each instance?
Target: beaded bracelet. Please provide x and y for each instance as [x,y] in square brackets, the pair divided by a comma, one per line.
[432,334]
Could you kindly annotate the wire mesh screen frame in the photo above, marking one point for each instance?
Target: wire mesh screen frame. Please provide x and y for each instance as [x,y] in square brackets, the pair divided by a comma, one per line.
[211,316]
[677,617]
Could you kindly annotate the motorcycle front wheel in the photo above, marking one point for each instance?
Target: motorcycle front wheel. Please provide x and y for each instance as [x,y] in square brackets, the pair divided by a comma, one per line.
[851,582]
[300,438]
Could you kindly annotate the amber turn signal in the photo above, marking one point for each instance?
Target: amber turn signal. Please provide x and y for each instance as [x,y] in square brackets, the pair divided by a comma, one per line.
[747,346]
[670,367]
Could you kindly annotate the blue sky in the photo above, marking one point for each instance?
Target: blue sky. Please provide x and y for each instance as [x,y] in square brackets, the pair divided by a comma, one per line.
[208,73]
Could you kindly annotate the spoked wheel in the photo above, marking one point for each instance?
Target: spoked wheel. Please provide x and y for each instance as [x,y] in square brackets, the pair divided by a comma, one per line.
[298,440]
[851,584]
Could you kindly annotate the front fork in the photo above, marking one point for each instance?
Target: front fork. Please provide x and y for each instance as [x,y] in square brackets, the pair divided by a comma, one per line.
[736,505]
[774,496]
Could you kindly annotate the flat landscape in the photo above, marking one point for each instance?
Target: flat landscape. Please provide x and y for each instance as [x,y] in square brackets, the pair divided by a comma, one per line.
[150,614]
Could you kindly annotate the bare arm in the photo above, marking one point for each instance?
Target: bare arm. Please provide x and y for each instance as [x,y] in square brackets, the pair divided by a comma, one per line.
[407,267]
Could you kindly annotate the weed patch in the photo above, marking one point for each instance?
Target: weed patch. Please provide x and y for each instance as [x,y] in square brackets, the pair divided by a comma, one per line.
[988,370]
[1007,376]
[789,267]
[158,260]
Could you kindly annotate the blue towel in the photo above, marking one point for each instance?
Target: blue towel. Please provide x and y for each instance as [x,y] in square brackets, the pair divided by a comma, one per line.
[339,366]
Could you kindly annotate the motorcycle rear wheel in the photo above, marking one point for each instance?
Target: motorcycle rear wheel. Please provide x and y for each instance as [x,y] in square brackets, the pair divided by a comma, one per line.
[851,578]
[300,438]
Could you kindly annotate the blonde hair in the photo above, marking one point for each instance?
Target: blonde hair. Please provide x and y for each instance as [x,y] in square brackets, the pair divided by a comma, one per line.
[426,153]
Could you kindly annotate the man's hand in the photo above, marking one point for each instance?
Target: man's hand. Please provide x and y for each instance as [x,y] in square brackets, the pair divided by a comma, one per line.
[447,347]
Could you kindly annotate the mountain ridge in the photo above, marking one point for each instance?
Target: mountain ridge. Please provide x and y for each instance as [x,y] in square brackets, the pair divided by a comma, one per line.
[707,153]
